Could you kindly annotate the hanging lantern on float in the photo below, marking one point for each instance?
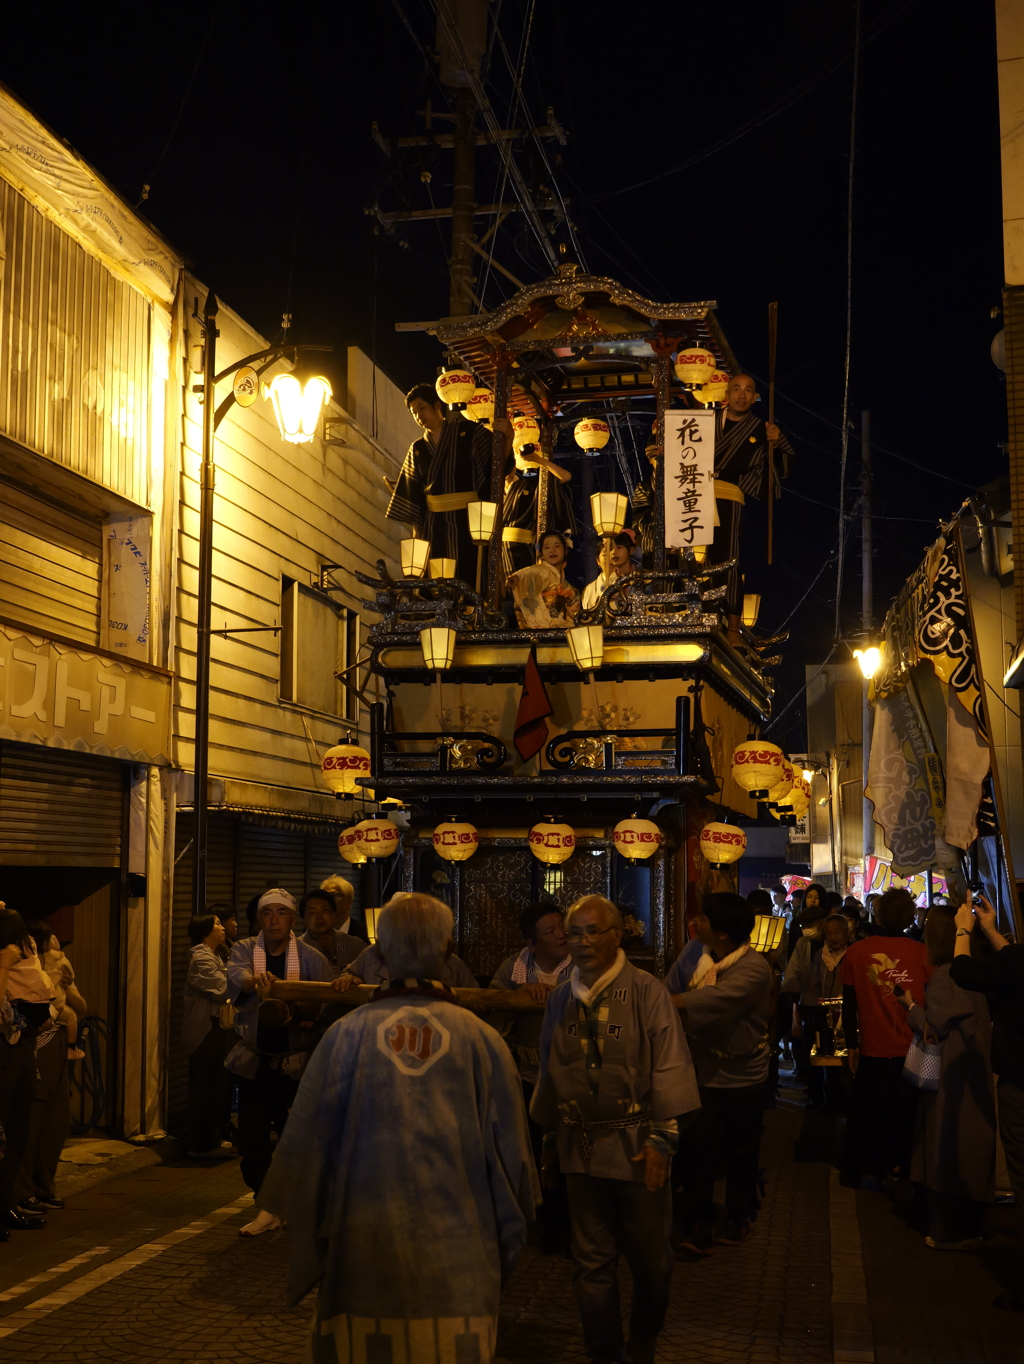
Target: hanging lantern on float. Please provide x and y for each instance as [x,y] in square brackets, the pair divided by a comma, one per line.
[482,516]
[552,842]
[637,839]
[455,841]
[370,917]
[694,365]
[525,431]
[442,568]
[699,552]
[437,643]
[757,766]
[414,554]
[591,433]
[347,847]
[722,844]
[341,765]
[586,644]
[608,512]
[480,407]
[377,837]
[715,389]
[455,387]
[783,786]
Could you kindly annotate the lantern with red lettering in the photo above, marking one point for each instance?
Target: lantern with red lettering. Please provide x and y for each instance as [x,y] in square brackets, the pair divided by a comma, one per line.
[480,407]
[340,767]
[377,837]
[551,841]
[757,766]
[347,847]
[525,431]
[637,839]
[722,843]
[794,804]
[455,387]
[454,841]
[694,365]
[591,433]
[715,388]
[783,786]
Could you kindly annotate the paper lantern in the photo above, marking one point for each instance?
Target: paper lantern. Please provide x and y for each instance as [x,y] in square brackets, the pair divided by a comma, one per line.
[694,365]
[757,766]
[715,388]
[586,644]
[454,841]
[370,917]
[751,609]
[608,512]
[442,568]
[637,839]
[298,406]
[552,842]
[347,840]
[768,931]
[525,431]
[455,386]
[438,645]
[699,552]
[481,516]
[722,843]
[591,433]
[480,407]
[341,765]
[414,554]
[377,837]
[783,786]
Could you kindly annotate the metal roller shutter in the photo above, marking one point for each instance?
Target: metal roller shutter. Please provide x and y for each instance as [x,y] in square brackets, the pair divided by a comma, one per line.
[325,860]
[269,858]
[59,808]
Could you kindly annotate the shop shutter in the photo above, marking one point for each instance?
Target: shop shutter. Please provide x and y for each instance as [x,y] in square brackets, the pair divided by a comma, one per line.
[325,860]
[59,808]
[267,858]
[220,877]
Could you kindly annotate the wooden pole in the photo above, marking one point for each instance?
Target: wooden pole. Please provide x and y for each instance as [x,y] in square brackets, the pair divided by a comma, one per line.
[484,1001]
[773,327]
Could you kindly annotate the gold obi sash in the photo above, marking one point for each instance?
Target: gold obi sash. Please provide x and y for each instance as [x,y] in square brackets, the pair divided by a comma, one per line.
[449,502]
[516,535]
[726,492]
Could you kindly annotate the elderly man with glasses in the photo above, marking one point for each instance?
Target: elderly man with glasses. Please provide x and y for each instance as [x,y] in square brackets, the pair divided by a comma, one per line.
[615,1077]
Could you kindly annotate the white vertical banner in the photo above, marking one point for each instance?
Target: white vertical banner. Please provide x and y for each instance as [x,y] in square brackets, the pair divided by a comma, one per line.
[689,478]
[127,545]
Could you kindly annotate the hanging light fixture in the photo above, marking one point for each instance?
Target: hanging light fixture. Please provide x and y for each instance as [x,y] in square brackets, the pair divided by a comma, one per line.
[751,609]
[694,365]
[377,836]
[637,839]
[347,840]
[482,516]
[715,389]
[722,844]
[341,765]
[608,512]
[438,645]
[870,660]
[699,552]
[525,431]
[455,841]
[552,842]
[414,554]
[586,644]
[442,568]
[298,405]
[756,767]
[480,407]
[591,433]
[455,387]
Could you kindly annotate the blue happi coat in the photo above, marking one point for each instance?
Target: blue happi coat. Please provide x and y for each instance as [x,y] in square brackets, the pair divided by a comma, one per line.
[407,1182]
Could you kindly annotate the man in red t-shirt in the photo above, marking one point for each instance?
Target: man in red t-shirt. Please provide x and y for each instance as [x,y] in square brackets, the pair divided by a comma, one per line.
[880,1121]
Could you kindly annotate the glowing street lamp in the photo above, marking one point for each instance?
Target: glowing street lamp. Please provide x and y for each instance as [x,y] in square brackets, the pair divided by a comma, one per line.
[870,660]
[298,406]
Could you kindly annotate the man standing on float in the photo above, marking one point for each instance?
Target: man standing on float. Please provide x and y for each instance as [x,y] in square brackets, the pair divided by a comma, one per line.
[741,470]
[446,469]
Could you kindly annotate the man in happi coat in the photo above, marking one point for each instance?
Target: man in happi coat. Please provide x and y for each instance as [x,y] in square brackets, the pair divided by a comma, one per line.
[405,1173]
[445,470]
[274,1042]
[520,528]
[615,1078]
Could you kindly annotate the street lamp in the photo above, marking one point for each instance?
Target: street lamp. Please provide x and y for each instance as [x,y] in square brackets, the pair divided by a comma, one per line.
[314,393]
[870,660]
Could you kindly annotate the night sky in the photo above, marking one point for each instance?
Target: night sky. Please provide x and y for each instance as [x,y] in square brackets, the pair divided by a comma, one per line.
[707,158]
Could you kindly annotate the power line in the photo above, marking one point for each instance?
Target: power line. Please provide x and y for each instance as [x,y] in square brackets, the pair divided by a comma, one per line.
[845,430]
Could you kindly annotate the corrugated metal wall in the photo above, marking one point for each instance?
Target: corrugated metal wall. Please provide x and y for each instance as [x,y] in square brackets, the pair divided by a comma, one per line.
[50,567]
[74,354]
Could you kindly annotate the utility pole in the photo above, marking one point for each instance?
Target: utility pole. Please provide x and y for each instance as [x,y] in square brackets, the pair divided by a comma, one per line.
[461,44]
[867,622]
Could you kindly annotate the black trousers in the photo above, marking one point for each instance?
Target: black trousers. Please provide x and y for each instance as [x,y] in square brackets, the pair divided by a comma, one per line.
[554,1210]
[729,1122]
[263,1104]
[209,1088]
[49,1120]
[612,1217]
[880,1119]
[17,1080]
[1010,1102]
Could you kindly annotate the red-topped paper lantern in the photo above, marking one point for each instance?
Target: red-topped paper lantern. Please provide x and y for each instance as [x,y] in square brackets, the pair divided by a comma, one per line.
[525,431]
[347,840]
[455,841]
[455,387]
[591,433]
[783,786]
[480,407]
[715,388]
[637,839]
[551,841]
[694,365]
[722,844]
[757,766]
[377,837]
[340,767]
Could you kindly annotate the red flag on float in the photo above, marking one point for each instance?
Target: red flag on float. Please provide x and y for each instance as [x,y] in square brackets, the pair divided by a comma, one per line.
[531,732]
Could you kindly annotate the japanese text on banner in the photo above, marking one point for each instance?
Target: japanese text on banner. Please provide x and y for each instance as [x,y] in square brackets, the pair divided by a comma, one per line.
[689,479]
